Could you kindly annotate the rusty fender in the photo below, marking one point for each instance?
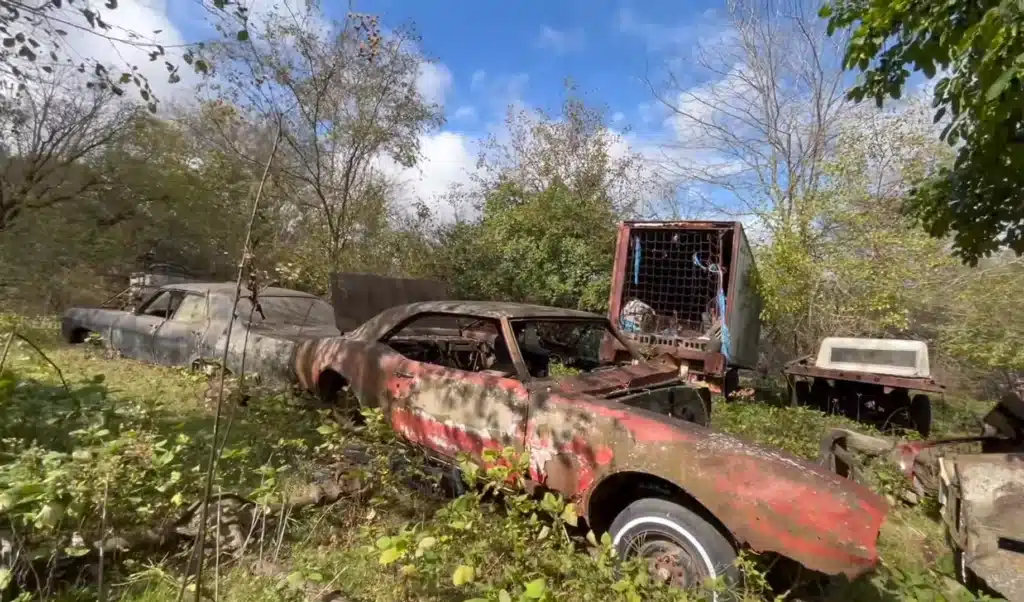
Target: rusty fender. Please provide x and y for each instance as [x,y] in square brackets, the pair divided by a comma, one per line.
[766,499]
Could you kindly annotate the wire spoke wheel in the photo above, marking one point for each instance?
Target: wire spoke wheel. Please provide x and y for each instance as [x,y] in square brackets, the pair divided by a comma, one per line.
[669,561]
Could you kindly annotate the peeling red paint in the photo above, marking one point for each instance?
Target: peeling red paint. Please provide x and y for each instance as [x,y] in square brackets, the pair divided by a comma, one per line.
[765,498]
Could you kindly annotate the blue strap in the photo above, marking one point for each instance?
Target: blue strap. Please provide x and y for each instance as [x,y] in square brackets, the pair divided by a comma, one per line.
[714,269]
[636,260]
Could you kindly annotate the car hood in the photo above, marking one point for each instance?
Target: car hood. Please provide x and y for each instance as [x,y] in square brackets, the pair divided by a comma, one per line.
[621,379]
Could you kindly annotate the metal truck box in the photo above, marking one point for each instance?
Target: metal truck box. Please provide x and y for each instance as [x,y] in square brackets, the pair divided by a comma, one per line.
[672,283]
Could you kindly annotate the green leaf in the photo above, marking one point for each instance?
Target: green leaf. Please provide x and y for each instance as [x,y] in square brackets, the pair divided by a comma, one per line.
[74,553]
[295,580]
[327,429]
[569,515]
[1000,84]
[463,574]
[621,585]
[535,589]
[504,596]
[242,35]
[50,514]
[5,578]
[427,542]
[384,543]
[389,555]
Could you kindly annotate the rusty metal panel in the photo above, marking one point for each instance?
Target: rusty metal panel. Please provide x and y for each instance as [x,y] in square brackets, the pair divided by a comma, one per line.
[743,314]
[991,488]
[665,265]
[358,297]
[803,367]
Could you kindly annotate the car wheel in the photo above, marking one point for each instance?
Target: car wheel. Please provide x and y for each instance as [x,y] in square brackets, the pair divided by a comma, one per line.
[680,547]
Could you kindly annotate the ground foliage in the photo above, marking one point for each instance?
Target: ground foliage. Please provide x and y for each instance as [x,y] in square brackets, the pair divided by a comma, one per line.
[114,455]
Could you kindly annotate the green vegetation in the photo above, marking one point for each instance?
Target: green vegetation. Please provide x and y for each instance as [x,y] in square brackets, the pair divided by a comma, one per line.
[976,50]
[114,456]
[94,189]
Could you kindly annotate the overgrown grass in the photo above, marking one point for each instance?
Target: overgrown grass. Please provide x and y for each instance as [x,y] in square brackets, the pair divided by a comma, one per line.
[126,449]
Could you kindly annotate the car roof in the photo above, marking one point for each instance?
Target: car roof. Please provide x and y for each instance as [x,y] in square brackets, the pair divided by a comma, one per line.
[492,309]
[386,320]
[228,288]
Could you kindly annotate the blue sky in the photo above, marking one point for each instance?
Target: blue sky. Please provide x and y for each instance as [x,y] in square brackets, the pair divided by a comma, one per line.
[533,45]
[501,51]
[490,54]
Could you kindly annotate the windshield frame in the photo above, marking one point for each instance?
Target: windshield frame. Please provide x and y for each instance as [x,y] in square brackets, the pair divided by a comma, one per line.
[601,322]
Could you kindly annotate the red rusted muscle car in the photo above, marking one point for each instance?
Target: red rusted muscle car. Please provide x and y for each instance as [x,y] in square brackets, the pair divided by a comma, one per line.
[625,441]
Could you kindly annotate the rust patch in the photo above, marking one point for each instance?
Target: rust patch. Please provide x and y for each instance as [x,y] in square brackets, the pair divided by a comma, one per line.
[562,474]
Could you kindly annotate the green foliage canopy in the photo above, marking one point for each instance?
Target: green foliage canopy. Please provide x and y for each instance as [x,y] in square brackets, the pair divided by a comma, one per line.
[978,48]
[549,247]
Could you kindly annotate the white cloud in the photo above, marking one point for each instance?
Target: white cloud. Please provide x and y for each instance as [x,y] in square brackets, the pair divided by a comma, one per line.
[618,117]
[559,41]
[466,113]
[447,159]
[433,82]
[149,20]
[659,37]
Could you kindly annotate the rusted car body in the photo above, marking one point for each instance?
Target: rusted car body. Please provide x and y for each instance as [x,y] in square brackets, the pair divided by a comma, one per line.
[463,377]
[982,498]
[186,324]
[694,281]
[979,481]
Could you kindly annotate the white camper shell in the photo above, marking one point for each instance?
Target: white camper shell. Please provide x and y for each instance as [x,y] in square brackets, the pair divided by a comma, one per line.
[894,357]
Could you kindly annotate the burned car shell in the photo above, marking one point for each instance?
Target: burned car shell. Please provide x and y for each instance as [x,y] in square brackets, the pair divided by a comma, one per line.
[195,331]
[579,443]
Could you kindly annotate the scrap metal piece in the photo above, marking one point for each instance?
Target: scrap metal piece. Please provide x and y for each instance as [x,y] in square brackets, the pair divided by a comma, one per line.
[983,499]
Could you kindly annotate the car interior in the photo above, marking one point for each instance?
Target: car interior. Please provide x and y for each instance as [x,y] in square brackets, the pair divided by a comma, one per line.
[549,347]
[163,305]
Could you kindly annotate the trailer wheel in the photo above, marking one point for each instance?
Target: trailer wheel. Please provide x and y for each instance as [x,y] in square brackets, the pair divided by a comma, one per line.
[920,411]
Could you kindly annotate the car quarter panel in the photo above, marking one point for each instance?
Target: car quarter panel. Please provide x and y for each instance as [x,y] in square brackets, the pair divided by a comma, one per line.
[765,498]
[444,409]
[451,411]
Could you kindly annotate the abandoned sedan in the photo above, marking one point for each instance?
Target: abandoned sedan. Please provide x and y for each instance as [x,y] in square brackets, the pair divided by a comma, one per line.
[621,440]
[186,324]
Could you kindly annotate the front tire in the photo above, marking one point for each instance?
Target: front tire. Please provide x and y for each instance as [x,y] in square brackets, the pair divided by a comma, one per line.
[681,548]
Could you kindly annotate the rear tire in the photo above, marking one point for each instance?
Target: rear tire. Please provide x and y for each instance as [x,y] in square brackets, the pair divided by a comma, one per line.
[920,412]
[681,547]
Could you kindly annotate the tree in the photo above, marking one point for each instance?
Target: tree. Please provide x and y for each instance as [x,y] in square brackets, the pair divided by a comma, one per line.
[981,343]
[34,39]
[549,197]
[575,148]
[346,100]
[550,247]
[157,196]
[976,50]
[47,136]
[753,139]
[859,267]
